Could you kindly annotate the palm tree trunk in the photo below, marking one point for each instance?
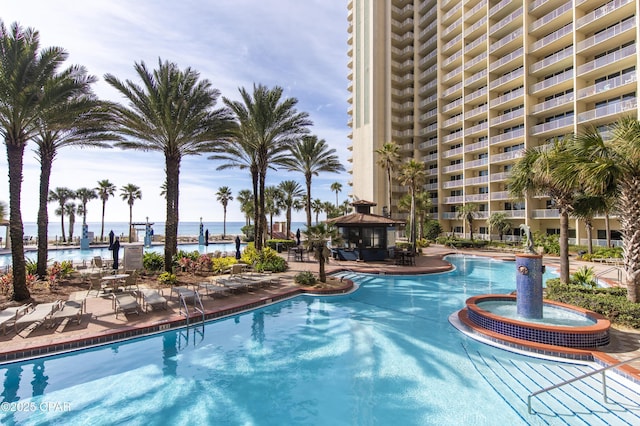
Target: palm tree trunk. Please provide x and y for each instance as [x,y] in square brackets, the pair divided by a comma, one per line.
[257,233]
[589,226]
[171,226]
[263,215]
[607,227]
[104,205]
[412,234]
[389,190]
[288,222]
[15,153]
[564,246]
[308,206]
[629,205]
[321,270]
[224,222]
[64,238]
[43,216]
[130,222]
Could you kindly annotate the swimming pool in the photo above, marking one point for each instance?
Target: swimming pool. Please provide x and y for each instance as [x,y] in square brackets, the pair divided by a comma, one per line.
[77,255]
[384,354]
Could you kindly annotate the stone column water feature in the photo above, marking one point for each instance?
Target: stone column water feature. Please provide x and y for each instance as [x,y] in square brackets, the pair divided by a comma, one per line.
[84,240]
[529,285]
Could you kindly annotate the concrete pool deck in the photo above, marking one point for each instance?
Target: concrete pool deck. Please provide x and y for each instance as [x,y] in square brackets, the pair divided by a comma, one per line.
[99,324]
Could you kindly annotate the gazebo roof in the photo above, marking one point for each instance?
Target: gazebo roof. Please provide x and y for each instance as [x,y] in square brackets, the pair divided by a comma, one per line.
[364,219]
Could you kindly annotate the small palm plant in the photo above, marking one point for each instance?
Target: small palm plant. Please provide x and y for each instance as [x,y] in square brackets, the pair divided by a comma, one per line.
[584,276]
[318,236]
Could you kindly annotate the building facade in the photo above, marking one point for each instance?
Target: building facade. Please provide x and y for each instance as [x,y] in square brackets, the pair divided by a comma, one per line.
[467,86]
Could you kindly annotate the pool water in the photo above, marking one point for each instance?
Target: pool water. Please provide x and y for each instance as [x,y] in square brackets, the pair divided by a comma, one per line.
[384,354]
[551,315]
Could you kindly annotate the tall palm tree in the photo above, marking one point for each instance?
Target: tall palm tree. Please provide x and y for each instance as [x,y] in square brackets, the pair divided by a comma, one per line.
[269,125]
[245,198]
[292,191]
[105,190]
[423,207]
[310,156]
[389,159]
[498,222]
[336,187]
[70,210]
[61,196]
[317,206]
[224,196]
[130,193]
[468,212]
[30,84]
[317,238]
[85,195]
[172,112]
[80,121]
[585,208]
[614,165]
[272,204]
[412,175]
[543,171]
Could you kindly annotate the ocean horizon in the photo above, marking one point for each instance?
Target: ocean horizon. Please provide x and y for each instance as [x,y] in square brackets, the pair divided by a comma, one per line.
[121,229]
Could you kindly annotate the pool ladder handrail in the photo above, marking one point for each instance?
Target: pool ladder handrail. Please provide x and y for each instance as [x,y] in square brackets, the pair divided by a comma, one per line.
[602,370]
[614,268]
[183,304]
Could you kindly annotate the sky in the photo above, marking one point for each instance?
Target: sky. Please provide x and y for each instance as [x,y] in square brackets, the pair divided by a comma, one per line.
[299,45]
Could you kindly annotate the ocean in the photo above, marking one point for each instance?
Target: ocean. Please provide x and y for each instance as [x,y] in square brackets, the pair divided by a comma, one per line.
[122,228]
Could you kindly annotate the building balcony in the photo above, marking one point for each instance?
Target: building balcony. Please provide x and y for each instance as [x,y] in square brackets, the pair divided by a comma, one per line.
[476,94]
[430,157]
[507,61]
[609,111]
[475,10]
[500,195]
[479,27]
[610,86]
[474,164]
[498,177]
[451,106]
[452,184]
[512,18]
[453,90]
[476,63]
[508,118]
[556,39]
[509,137]
[607,38]
[507,78]
[474,198]
[561,59]
[452,74]
[451,44]
[454,12]
[549,84]
[453,168]
[508,99]
[453,60]
[453,153]
[564,124]
[545,214]
[428,115]
[431,128]
[449,215]
[480,180]
[619,58]
[479,78]
[553,105]
[512,214]
[477,146]
[478,128]
[458,199]
[611,9]
[453,137]
[505,42]
[506,157]
[452,28]
[557,17]
[470,48]
[474,113]
[428,144]
[452,122]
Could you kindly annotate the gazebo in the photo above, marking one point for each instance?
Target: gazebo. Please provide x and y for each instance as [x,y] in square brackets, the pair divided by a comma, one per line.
[365,236]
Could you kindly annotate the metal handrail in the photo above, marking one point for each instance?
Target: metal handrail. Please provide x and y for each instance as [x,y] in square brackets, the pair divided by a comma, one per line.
[183,303]
[201,309]
[614,268]
[583,376]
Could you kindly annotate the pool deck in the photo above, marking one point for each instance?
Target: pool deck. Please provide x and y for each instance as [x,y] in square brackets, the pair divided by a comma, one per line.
[99,324]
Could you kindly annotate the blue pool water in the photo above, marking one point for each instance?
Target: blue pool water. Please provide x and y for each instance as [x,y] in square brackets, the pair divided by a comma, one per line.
[384,354]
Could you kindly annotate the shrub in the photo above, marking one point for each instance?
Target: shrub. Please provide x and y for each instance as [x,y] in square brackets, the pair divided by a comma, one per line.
[550,243]
[285,244]
[167,278]
[266,260]
[220,264]
[584,277]
[66,268]
[305,278]
[432,229]
[608,301]
[31,266]
[152,261]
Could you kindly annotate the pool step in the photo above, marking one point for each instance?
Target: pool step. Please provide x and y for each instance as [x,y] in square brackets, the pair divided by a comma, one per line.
[577,403]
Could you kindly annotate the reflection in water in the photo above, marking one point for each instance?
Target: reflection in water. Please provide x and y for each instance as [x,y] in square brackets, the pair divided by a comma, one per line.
[11,383]
[169,354]
[40,381]
[257,327]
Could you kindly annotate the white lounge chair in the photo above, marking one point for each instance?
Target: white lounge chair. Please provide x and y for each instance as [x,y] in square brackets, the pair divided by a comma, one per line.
[213,290]
[35,317]
[152,298]
[125,303]
[70,311]
[9,315]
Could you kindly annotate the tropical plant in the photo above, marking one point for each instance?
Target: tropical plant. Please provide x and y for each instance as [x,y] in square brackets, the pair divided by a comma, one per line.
[272,204]
[167,279]
[389,159]
[613,165]
[105,190]
[266,259]
[152,261]
[412,175]
[85,195]
[224,195]
[269,125]
[172,112]
[310,156]
[336,187]
[305,278]
[291,193]
[544,171]
[498,222]
[318,237]
[468,212]
[584,276]
[30,85]
[130,193]
[423,207]
[585,208]
[245,198]
[61,196]
[317,206]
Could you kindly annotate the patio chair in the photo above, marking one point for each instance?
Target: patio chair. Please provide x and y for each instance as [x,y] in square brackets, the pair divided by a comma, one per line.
[9,315]
[70,311]
[95,284]
[213,290]
[131,281]
[152,298]
[35,317]
[125,303]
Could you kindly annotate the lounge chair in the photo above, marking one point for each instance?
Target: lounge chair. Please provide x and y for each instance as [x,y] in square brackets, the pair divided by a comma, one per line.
[213,290]
[184,292]
[234,284]
[125,303]
[152,298]
[35,317]
[9,315]
[70,311]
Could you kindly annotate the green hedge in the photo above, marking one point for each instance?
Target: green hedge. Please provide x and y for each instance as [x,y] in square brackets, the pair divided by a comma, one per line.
[285,244]
[609,301]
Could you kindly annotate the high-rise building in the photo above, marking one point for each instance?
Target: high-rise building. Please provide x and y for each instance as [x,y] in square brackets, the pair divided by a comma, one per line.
[467,86]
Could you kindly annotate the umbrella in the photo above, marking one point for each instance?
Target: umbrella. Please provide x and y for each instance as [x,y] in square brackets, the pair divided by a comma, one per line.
[111,235]
[237,247]
[206,237]
[115,248]
[298,237]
